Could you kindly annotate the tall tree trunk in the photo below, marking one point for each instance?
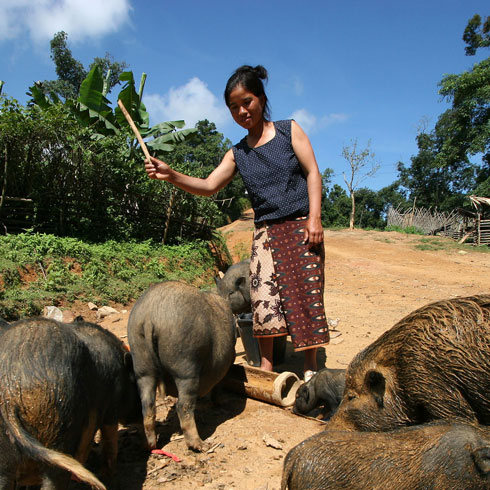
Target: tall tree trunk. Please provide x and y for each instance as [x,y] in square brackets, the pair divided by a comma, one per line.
[353,210]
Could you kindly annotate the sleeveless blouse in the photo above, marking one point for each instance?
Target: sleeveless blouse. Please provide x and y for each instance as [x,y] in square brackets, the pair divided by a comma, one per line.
[273,176]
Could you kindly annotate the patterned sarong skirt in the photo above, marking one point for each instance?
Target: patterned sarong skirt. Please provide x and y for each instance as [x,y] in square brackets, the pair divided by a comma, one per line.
[287,284]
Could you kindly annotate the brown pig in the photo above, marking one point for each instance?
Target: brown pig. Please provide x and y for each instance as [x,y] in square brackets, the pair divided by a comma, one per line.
[433,364]
[438,456]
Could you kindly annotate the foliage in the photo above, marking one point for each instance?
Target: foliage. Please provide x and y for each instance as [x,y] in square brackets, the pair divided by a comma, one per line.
[430,184]
[446,244]
[446,168]
[477,34]
[371,206]
[38,269]
[199,157]
[465,128]
[336,207]
[71,72]
[77,162]
[409,230]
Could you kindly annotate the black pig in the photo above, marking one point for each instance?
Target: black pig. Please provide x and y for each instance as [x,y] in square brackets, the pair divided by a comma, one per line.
[325,388]
[438,456]
[433,364]
[234,286]
[184,338]
[59,384]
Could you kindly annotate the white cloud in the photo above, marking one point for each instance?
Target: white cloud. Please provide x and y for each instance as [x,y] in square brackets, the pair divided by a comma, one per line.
[41,19]
[298,86]
[305,119]
[310,123]
[333,119]
[192,102]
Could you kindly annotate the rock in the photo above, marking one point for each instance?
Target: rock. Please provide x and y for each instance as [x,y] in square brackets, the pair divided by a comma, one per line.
[271,442]
[92,307]
[53,312]
[105,311]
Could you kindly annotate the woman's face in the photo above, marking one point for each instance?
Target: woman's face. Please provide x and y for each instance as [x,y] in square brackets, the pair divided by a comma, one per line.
[246,108]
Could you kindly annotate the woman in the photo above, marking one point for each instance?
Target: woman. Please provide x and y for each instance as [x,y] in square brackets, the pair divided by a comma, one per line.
[280,172]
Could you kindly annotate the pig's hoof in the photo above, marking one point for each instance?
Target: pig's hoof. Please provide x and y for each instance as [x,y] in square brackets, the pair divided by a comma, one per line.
[151,442]
[195,445]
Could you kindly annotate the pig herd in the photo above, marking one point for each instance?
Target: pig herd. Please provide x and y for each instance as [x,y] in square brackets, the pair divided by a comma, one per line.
[60,383]
[411,411]
[415,410]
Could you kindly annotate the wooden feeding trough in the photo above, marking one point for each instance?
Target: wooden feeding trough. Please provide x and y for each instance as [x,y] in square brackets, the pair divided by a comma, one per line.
[275,388]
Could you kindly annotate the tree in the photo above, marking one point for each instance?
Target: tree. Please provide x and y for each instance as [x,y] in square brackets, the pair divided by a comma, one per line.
[465,128]
[432,184]
[71,72]
[78,164]
[336,207]
[358,161]
[446,167]
[477,34]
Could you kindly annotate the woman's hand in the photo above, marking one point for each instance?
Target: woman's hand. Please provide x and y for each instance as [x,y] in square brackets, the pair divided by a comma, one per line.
[313,232]
[156,169]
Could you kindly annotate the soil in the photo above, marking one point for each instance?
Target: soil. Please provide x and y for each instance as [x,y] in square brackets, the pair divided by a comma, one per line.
[373,279]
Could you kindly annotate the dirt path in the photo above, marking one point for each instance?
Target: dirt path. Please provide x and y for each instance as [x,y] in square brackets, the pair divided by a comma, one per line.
[373,279]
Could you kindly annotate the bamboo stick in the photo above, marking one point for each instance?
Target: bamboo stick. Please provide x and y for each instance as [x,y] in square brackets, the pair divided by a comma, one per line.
[134,128]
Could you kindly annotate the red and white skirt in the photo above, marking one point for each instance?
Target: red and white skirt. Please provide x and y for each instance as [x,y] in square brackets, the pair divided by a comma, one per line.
[287,284]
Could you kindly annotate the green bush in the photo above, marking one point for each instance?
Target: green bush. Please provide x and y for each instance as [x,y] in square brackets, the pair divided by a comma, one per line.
[39,269]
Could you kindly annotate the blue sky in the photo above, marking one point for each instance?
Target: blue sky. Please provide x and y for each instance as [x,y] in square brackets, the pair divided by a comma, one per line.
[344,70]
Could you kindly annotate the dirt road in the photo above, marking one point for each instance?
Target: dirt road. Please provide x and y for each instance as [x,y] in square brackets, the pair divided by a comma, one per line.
[373,279]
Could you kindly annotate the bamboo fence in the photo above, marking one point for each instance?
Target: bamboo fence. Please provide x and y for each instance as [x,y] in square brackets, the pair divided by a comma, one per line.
[458,224]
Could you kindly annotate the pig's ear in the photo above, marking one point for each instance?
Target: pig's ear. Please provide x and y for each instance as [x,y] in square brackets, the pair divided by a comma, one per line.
[240,282]
[481,457]
[128,361]
[376,384]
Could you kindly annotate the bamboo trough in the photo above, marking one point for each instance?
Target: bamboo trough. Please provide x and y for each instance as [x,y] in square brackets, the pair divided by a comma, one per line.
[275,388]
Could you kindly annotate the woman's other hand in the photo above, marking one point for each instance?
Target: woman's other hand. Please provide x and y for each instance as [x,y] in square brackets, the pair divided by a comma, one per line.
[313,232]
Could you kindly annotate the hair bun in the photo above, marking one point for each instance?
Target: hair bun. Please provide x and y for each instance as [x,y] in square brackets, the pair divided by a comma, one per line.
[261,72]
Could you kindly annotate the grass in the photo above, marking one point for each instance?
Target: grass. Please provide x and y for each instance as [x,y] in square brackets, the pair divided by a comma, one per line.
[39,269]
[441,243]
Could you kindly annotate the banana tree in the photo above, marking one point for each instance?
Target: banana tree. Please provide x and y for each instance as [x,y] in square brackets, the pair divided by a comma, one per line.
[92,109]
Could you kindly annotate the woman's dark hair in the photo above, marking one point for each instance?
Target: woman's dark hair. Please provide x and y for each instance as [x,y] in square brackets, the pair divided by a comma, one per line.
[249,78]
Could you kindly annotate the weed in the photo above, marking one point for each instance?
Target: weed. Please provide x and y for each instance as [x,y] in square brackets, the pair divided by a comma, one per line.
[409,230]
[38,269]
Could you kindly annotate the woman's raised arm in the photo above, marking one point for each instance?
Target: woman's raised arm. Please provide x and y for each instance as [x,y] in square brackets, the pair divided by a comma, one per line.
[216,180]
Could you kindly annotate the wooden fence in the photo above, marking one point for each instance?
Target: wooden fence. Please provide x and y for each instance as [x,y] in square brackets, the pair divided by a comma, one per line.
[428,221]
[459,224]
[482,223]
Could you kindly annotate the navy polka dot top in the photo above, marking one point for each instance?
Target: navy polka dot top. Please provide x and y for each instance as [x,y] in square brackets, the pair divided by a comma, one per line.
[273,176]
